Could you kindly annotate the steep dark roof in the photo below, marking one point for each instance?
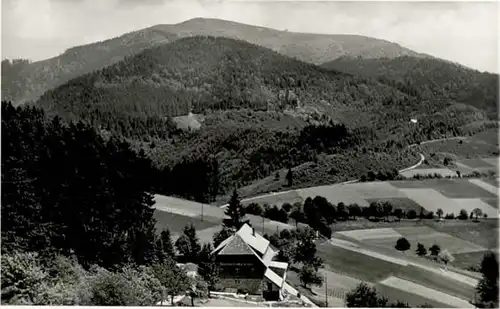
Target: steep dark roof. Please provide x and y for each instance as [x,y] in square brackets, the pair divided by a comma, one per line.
[237,246]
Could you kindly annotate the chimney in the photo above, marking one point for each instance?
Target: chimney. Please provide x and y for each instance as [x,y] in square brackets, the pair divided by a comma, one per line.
[253,231]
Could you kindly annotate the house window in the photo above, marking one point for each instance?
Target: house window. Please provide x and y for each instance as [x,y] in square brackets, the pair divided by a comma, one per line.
[269,286]
[237,281]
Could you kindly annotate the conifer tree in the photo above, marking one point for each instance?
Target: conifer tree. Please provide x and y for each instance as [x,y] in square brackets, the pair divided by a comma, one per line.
[235,212]
[166,241]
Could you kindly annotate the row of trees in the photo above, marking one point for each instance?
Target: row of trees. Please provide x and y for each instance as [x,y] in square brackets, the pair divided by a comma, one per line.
[402,244]
[319,212]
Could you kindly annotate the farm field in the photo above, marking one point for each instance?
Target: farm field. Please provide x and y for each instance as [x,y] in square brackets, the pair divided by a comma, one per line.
[372,234]
[432,200]
[413,300]
[425,292]
[452,188]
[488,136]
[492,161]
[486,186]
[334,194]
[428,237]
[478,163]
[176,223]
[478,146]
[338,286]
[356,265]
[493,202]
[426,171]
[483,233]
[276,199]
[467,240]
[371,268]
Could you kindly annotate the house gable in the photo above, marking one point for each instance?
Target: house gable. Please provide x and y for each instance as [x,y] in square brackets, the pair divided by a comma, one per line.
[236,246]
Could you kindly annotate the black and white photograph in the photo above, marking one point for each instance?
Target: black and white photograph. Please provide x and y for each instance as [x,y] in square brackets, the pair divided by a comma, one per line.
[212,153]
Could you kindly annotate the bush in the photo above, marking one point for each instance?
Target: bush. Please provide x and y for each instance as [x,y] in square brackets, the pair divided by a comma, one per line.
[421,250]
[402,244]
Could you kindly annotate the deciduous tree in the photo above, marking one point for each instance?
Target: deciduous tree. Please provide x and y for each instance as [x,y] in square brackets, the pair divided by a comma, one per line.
[308,275]
[364,296]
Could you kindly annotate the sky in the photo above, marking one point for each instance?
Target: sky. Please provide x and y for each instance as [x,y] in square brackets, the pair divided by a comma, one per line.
[463,32]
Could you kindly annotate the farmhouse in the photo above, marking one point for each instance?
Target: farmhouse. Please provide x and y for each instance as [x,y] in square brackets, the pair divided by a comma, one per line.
[246,265]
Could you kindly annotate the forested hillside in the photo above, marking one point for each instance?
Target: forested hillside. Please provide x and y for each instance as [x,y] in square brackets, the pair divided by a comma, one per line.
[427,79]
[206,73]
[262,112]
[36,78]
[62,183]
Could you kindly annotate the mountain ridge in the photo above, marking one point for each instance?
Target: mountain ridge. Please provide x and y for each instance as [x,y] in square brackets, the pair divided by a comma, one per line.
[431,77]
[35,78]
